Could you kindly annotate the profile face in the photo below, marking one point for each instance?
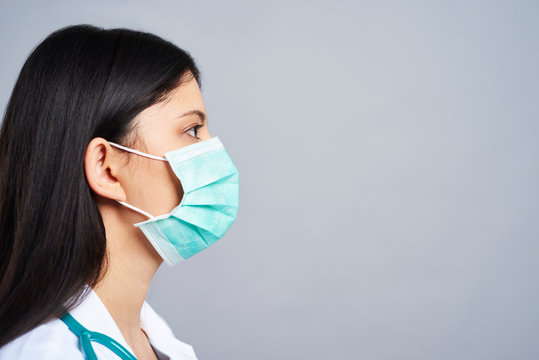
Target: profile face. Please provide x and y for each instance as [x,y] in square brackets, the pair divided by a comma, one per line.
[162,128]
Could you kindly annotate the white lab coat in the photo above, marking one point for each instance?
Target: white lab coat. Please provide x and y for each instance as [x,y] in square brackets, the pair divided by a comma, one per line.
[54,340]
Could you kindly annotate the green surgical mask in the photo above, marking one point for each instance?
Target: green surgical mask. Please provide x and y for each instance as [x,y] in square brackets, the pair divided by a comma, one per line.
[209,206]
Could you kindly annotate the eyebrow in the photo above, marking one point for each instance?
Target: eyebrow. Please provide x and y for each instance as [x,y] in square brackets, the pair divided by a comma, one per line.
[199,113]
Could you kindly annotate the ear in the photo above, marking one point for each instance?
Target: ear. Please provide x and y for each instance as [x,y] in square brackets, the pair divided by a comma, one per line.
[102,166]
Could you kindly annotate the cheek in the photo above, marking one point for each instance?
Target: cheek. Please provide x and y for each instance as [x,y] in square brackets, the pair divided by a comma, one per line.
[168,191]
[176,185]
[160,188]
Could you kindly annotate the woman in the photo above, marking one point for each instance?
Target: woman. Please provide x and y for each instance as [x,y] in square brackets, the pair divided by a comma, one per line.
[107,169]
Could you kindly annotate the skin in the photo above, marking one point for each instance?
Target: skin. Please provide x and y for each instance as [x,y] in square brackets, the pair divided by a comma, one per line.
[148,184]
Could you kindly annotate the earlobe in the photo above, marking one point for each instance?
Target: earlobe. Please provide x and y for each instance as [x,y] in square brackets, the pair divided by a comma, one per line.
[100,167]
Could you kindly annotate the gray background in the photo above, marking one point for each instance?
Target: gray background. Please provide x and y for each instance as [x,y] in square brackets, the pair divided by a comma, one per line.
[388,164]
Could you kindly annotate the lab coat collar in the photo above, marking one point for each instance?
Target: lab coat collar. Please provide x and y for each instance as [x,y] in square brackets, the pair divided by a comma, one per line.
[94,316]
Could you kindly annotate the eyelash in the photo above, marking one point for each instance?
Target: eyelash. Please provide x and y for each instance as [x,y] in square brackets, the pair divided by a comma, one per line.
[196,127]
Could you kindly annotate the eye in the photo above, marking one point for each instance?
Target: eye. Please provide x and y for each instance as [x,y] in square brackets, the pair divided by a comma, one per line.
[194,130]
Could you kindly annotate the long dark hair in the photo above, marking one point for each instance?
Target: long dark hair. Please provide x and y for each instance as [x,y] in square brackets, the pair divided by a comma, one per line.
[81,82]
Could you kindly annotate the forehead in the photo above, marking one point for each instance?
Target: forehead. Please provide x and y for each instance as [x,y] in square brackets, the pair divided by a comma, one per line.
[182,99]
[187,96]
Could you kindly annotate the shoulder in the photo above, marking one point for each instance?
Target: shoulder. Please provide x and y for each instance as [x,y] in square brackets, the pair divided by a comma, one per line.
[52,340]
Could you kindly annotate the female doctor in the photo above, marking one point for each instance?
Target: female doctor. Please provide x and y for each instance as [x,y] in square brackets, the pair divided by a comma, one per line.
[107,169]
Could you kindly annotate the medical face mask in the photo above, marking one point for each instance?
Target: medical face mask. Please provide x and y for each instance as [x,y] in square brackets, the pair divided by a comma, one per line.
[209,205]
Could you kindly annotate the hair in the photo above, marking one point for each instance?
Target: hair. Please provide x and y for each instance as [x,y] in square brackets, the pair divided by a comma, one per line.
[79,83]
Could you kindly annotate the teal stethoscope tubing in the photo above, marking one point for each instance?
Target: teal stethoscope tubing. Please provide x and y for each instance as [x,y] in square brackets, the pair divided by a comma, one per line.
[86,337]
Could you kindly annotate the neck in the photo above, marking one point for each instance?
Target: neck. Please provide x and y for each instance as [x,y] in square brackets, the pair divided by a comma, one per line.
[131,265]
[123,291]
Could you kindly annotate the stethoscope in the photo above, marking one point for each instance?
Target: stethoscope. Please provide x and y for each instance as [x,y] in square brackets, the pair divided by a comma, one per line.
[86,337]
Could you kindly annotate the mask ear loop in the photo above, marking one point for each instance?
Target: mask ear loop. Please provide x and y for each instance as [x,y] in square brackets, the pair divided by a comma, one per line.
[142,154]
[136,209]
[138,152]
